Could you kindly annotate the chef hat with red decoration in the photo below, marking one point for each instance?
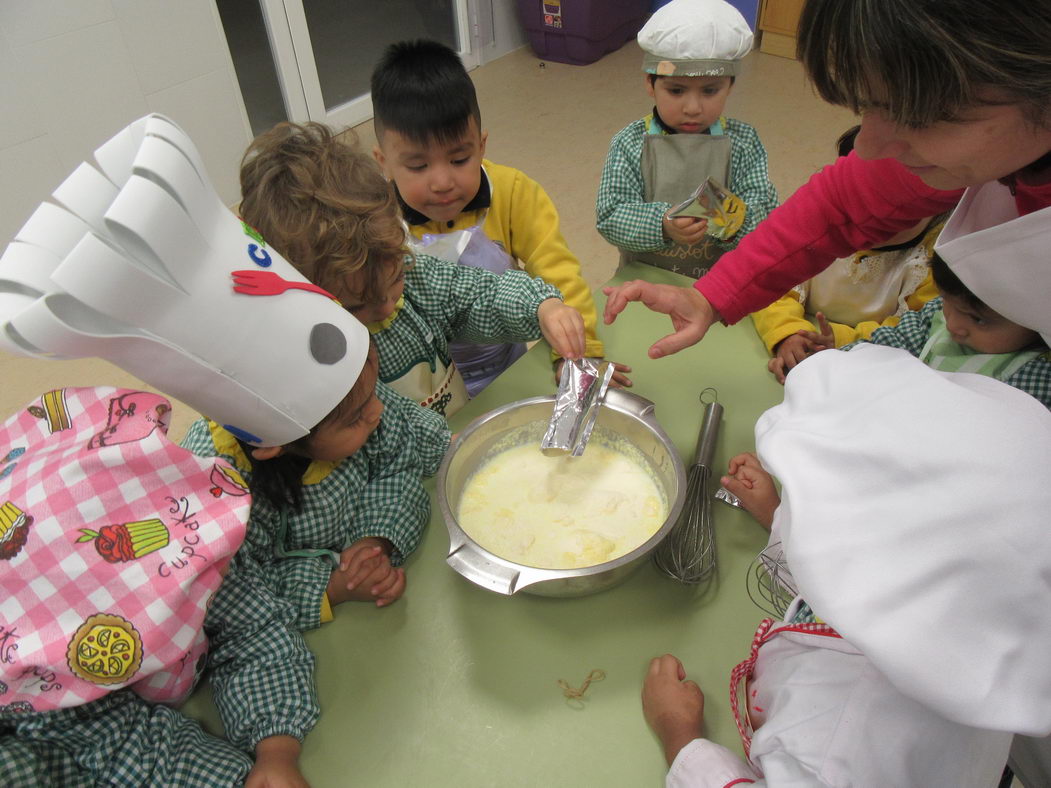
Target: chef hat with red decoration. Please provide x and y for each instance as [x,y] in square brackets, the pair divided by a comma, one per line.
[136,260]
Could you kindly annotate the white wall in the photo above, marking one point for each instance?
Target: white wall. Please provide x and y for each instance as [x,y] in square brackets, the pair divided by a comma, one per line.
[74,72]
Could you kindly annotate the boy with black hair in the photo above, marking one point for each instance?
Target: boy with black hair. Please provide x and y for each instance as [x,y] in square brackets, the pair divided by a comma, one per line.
[958,332]
[692,50]
[461,207]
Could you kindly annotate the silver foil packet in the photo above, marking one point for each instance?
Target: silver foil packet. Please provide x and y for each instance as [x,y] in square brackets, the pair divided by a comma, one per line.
[723,209]
[580,394]
[728,497]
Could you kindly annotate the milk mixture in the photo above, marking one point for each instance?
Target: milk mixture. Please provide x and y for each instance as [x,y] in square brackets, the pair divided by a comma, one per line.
[562,512]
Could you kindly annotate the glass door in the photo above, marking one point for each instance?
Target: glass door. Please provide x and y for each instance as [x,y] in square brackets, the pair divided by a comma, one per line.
[316,57]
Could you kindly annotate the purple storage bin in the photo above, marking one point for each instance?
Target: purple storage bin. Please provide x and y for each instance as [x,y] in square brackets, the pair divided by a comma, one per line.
[580,31]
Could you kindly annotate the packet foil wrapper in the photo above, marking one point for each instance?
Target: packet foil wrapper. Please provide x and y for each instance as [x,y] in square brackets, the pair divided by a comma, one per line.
[728,498]
[723,209]
[580,394]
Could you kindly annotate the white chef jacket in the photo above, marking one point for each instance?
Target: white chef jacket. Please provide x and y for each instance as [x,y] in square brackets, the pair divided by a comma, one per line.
[824,716]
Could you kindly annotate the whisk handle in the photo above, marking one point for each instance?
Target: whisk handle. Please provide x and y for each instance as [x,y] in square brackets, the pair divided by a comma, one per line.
[705,454]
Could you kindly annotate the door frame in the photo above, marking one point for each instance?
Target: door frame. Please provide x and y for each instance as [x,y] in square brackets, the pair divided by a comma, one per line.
[286,24]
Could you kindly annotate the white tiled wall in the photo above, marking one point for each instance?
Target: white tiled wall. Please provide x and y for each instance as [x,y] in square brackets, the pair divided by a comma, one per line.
[74,72]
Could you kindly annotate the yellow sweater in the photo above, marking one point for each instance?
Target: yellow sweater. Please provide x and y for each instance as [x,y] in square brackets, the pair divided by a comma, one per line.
[788,314]
[523,220]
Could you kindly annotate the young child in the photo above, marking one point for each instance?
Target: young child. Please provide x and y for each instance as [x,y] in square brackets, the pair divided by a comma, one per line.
[957,332]
[692,53]
[326,205]
[144,266]
[917,642]
[336,512]
[853,297]
[460,206]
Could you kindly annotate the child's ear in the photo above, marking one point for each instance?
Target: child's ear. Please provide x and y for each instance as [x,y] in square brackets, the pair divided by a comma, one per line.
[650,82]
[481,150]
[267,452]
[377,154]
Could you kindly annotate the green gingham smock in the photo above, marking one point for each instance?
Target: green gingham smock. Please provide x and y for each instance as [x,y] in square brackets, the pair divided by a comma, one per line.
[914,328]
[377,491]
[628,222]
[445,301]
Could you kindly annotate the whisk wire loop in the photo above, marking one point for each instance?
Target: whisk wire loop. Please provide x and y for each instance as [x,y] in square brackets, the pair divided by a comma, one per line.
[688,552]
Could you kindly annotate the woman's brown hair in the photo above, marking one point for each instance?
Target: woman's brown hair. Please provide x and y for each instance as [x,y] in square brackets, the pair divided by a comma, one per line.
[925,61]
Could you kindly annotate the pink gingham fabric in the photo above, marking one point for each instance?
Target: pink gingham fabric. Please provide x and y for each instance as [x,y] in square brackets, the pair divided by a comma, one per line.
[112,542]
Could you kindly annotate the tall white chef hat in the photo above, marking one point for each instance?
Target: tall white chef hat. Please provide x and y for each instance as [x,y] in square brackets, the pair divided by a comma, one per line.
[695,38]
[134,262]
[914,519]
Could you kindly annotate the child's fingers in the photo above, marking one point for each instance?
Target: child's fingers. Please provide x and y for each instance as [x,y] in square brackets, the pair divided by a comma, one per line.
[664,664]
[740,459]
[777,367]
[361,564]
[560,366]
[822,324]
[564,331]
[380,582]
[577,332]
[796,353]
[739,487]
[815,342]
[395,592]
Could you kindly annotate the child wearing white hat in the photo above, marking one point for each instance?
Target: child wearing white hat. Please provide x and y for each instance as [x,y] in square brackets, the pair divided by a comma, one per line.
[692,52]
[137,261]
[918,535]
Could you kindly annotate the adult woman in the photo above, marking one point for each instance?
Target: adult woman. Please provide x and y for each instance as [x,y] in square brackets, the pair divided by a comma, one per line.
[953,94]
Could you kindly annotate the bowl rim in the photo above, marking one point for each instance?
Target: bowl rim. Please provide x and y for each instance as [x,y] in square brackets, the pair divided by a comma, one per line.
[627,403]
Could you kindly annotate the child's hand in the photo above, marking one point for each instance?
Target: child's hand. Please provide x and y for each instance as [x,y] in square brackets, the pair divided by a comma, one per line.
[619,379]
[686,230]
[824,338]
[563,328]
[673,706]
[276,764]
[795,348]
[365,574]
[750,482]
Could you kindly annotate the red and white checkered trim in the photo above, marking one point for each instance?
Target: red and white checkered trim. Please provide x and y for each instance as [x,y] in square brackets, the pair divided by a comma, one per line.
[740,675]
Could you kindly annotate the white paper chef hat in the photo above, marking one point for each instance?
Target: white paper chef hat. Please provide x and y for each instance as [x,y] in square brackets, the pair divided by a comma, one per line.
[133,262]
[1000,256]
[914,519]
[695,38]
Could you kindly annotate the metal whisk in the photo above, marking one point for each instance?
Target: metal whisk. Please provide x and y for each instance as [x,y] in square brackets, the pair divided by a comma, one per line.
[688,552]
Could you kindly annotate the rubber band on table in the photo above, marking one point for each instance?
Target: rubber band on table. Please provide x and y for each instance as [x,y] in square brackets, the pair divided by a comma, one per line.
[575,697]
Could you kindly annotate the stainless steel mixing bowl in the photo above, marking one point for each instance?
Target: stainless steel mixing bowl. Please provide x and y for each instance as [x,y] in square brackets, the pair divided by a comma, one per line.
[623,413]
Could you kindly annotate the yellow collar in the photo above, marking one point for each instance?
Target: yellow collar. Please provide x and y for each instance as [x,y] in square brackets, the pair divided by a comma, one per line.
[226,443]
[375,328]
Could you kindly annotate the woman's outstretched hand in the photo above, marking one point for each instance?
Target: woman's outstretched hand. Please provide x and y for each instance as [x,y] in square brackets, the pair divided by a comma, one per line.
[691,314]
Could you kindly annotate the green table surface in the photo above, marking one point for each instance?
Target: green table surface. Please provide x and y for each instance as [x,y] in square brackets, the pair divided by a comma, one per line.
[455,685]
